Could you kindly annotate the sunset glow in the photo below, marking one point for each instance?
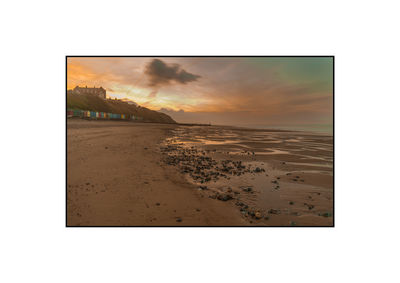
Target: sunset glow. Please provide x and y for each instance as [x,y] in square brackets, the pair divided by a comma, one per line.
[227,90]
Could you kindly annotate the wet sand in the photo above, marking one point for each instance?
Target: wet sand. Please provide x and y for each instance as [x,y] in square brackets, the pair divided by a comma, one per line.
[274,178]
[139,174]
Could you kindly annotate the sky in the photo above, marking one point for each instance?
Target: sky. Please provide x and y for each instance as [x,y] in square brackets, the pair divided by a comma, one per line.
[285,92]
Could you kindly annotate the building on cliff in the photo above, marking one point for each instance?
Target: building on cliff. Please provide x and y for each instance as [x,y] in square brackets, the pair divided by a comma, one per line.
[100,92]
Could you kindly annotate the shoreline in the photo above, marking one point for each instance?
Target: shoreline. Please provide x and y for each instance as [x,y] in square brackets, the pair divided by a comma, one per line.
[330,134]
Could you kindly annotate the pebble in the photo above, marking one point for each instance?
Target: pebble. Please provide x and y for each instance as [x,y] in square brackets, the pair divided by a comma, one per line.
[273,211]
[224,197]
[326,214]
[310,206]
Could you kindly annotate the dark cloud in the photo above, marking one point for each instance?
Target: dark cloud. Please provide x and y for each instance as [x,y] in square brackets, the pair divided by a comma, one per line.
[160,73]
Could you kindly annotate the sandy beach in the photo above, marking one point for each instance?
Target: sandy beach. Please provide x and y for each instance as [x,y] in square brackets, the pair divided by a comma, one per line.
[143,174]
[115,177]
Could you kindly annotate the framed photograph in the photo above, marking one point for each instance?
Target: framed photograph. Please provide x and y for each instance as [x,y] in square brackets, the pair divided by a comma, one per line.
[195,141]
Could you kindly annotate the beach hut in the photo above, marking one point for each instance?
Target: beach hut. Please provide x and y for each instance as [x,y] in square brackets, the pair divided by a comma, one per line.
[77,113]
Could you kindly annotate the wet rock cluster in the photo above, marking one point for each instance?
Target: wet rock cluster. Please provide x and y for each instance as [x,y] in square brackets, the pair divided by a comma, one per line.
[203,168]
[249,212]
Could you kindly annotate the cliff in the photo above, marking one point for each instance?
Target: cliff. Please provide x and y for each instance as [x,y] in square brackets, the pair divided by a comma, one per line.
[94,103]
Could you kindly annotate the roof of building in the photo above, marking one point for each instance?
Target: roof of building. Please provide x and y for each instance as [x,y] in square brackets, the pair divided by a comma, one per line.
[78,87]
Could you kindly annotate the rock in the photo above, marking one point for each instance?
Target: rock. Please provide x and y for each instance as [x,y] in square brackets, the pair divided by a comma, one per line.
[157,203]
[106,147]
[266,217]
[310,206]
[258,170]
[224,197]
[274,211]
[291,202]
[87,183]
[257,215]
[292,223]
[203,188]
[179,219]
[247,189]
[327,214]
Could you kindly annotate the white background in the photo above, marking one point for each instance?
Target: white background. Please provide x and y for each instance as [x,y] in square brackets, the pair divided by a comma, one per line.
[35,246]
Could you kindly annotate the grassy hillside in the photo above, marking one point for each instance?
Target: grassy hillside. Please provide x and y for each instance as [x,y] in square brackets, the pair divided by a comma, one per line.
[94,103]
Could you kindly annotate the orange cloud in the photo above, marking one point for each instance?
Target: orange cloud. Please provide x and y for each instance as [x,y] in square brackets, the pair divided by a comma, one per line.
[260,89]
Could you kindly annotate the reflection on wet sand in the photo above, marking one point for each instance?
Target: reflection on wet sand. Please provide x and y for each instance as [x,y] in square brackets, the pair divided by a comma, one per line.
[273,177]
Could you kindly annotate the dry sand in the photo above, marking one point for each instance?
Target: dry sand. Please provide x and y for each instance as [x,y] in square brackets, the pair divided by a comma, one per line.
[115,177]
